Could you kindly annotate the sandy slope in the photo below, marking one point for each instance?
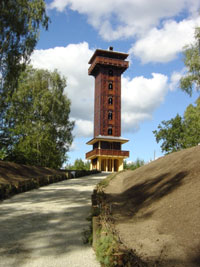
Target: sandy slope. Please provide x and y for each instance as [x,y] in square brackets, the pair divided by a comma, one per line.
[157,209]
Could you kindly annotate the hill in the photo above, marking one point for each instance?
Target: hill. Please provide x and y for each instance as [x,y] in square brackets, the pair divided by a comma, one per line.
[156,209]
[16,178]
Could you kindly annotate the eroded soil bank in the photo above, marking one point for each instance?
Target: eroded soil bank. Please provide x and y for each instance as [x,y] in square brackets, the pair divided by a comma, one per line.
[156,209]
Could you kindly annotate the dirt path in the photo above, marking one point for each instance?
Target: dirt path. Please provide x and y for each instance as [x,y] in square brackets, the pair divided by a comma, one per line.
[44,227]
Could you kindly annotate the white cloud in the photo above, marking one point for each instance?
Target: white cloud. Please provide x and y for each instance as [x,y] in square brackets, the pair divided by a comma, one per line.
[83,128]
[72,62]
[175,79]
[140,95]
[116,19]
[73,147]
[162,45]
[159,37]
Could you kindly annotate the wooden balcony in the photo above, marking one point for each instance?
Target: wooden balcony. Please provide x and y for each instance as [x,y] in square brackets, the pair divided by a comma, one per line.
[108,61]
[107,152]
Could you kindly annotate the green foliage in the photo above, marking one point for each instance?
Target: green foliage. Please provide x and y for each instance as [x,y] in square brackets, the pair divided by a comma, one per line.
[87,165]
[179,133]
[105,248]
[172,134]
[133,165]
[39,130]
[2,154]
[192,61]
[87,236]
[79,164]
[192,125]
[20,21]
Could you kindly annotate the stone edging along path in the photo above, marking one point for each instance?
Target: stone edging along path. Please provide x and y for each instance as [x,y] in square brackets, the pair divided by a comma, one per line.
[44,227]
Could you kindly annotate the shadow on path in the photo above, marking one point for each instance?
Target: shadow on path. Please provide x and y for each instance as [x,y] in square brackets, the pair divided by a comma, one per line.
[45,222]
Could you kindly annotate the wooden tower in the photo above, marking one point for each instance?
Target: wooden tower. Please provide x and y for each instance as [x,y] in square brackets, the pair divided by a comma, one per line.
[107,67]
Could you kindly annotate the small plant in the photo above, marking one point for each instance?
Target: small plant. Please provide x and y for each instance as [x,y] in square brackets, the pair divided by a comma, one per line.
[87,236]
[105,248]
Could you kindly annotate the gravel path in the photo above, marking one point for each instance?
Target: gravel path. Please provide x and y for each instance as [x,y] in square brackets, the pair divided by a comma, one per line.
[43,227]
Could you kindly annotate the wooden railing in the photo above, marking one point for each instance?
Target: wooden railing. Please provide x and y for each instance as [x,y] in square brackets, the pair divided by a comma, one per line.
[107,152]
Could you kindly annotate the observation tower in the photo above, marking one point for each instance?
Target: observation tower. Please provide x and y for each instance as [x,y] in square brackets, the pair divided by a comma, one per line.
[107,67]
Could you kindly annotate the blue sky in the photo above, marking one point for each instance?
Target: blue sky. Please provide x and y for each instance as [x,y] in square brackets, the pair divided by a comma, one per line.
[153,32]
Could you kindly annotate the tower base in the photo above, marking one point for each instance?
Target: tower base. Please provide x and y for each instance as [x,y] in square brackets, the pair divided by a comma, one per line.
[107,164]
[107,154]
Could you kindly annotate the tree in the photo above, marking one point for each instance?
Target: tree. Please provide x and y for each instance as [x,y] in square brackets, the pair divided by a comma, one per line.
[171,133]
[133,165]
[40,131]
[192,125]
[20,21]
[192,61]
[79,164]
[179,133]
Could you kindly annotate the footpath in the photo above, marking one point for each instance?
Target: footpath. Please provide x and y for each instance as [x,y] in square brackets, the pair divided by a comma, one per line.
[44,227]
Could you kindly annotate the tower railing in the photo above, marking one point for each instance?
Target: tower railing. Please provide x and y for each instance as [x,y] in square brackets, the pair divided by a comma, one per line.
[107,152]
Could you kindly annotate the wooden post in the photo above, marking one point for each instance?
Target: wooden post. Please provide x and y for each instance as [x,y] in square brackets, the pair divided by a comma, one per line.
[95,227]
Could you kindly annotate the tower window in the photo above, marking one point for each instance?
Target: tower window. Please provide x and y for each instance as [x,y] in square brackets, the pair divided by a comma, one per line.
[110,115]
[110,100]
[110,131]
[110,86]
[110,72]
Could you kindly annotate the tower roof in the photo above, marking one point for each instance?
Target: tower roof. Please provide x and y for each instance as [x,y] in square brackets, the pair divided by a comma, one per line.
[107,58]
[108,54]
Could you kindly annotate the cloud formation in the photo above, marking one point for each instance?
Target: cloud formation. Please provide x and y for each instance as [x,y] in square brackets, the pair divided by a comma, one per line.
[159,37]
[140,96]
[80,87]
[130,17]
[175,79]
[162,45]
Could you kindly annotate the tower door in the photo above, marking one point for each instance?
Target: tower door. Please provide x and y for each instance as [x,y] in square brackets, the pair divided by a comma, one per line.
[109,165]
[94,163]
[116,165]
[103,165]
